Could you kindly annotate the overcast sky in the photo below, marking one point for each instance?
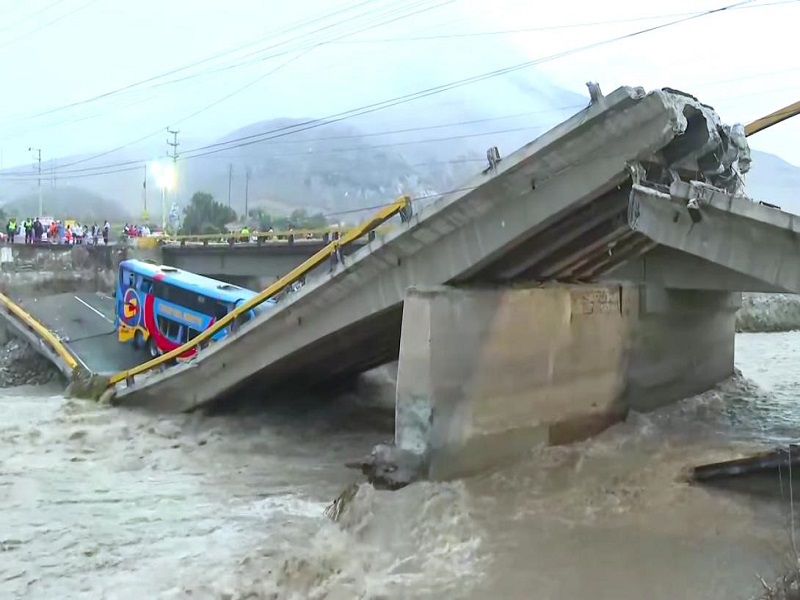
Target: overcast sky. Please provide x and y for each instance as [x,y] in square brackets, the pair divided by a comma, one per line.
[54,53]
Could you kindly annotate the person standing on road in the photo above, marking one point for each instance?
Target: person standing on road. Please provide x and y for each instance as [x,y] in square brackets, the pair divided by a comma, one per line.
[38,230]
[11,229]
[106,231]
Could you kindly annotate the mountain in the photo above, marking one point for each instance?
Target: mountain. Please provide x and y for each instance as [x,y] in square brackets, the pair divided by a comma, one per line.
[329,169]
[418,143]
[345,168]
[68,202]
[772,179]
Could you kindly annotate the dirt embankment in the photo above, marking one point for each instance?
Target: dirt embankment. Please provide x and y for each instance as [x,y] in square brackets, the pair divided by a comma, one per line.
[768,313]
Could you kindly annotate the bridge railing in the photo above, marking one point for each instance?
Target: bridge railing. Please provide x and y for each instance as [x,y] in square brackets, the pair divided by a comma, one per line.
[324,235]
[44,334]
[401,206]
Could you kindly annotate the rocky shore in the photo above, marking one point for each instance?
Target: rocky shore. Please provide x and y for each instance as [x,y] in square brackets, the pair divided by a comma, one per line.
[21,365]
[768,313]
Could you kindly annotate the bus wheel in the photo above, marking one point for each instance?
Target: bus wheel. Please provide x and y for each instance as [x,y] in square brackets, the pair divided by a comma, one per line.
[138,340]
[152,348]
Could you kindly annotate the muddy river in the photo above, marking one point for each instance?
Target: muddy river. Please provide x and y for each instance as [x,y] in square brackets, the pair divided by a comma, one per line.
[100,503]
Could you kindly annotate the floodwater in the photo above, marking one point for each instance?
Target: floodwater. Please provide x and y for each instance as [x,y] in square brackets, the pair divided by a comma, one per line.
[100,503]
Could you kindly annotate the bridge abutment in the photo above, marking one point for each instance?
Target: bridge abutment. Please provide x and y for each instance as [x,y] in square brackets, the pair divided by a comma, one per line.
[485,375]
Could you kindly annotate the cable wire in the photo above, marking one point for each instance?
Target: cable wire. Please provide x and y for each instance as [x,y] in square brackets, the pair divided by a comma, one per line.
[313,123]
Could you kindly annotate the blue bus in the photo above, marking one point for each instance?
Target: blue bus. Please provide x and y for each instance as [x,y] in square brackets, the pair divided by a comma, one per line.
[160,308]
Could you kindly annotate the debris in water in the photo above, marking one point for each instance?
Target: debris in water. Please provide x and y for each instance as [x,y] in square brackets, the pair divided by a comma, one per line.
[389,467]
[766,473]
[338,507]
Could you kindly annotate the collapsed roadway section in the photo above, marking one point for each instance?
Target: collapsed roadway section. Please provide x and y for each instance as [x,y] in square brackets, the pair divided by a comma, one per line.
[556,210]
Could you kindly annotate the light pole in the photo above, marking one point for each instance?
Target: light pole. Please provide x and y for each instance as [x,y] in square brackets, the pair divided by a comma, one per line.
[39,158]
[165,179]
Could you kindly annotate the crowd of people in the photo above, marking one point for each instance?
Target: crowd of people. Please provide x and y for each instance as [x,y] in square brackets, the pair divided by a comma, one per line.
[55,231]
[133,231]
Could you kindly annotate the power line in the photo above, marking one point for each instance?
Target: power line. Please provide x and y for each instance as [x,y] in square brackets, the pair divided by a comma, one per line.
[31,15]
[313,123]
[101,170]
[546,27]
[213,57]
[114,168]
[337,40]
[341,137]
[305,49]
[194,114]
[56,20]
[259,79]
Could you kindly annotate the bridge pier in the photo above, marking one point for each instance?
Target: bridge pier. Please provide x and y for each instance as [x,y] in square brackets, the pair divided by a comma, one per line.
[485,375]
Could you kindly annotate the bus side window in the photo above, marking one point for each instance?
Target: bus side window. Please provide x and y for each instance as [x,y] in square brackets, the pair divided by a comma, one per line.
[220,310]
[146,285]
[160,290]
[131,280]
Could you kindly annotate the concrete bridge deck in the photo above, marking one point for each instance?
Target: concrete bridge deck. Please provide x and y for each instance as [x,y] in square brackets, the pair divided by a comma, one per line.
[572,206]
[84,323]
[555,210]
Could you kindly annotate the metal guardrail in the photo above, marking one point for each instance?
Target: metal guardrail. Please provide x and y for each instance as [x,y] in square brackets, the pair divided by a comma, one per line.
[45,334]
[281,237]
[402,206]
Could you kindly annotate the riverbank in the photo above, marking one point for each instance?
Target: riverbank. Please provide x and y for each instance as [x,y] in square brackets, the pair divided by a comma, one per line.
[22,365]
[764,313]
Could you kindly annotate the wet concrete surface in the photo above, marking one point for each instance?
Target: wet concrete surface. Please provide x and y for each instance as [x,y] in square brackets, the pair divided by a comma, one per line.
[85,323]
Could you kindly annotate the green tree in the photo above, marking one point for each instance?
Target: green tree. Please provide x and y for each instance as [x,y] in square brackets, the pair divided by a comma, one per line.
[206,215]
[300,219]
[263,218]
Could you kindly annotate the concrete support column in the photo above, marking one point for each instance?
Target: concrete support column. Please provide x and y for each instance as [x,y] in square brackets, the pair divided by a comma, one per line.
[486,375]
[682,344]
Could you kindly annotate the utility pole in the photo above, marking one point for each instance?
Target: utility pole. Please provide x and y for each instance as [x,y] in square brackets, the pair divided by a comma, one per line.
[39,167]
[174,144]
[246,193]
[174,156]
[144,195]
[230,181]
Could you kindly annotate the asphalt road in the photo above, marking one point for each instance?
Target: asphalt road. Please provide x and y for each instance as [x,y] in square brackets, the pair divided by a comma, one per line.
[85,323]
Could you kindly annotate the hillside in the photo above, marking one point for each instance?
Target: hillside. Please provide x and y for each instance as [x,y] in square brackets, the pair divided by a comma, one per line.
[774,180]
[68,202]
[420,148]
[333,168]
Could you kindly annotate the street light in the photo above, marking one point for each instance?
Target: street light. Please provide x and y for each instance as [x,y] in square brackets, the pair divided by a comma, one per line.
[165,179]
[39,180]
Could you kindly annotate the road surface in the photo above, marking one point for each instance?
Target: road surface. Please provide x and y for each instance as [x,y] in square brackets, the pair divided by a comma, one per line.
[85,323]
